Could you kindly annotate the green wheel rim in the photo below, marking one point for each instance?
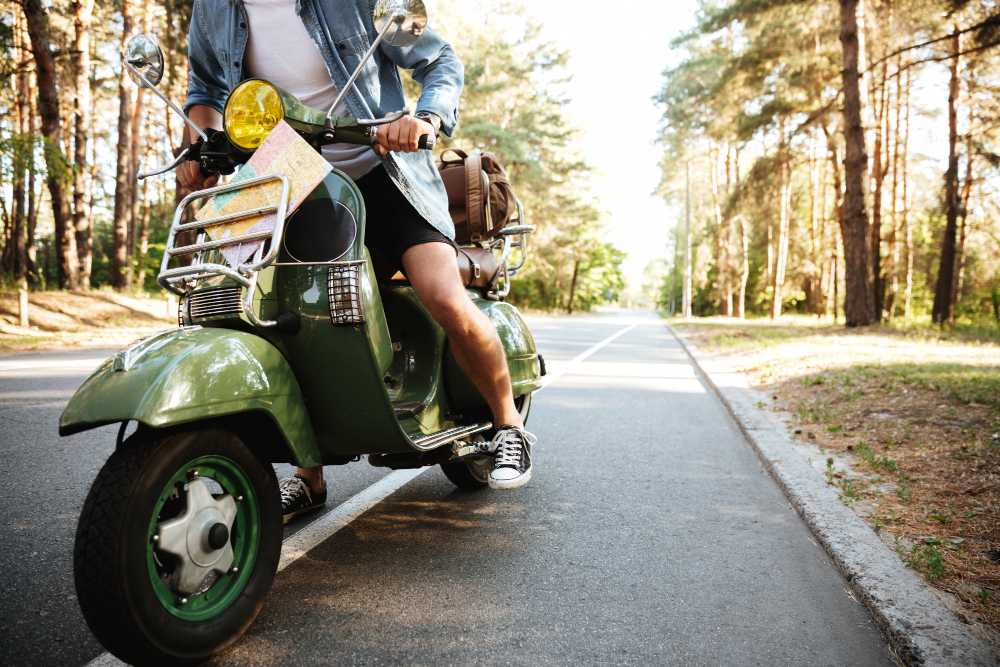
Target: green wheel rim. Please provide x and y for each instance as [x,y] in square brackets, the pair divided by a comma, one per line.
[245,536]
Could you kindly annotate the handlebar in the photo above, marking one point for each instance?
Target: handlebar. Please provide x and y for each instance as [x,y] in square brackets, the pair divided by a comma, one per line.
[364,132]
[217,155]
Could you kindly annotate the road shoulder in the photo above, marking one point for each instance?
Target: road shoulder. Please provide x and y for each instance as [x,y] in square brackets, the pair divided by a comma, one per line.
[918,626]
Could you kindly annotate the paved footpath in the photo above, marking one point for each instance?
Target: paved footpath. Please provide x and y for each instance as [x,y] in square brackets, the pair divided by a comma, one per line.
[650,535]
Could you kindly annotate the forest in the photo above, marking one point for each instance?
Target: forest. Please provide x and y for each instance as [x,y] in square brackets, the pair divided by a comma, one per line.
[74,132]
[837,159]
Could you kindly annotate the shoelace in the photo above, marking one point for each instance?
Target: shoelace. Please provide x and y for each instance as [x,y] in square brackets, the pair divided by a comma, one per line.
[290,488]
[512,447]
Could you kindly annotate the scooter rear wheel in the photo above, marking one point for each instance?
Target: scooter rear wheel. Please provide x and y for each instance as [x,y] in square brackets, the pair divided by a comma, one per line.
[177,545]
[474,475]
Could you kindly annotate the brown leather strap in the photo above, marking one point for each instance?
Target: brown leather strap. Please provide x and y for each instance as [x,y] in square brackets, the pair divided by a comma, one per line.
[457,151]
[474,197]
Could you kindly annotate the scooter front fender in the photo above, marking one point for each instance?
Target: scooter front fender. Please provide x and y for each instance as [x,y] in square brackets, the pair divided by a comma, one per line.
[192,374]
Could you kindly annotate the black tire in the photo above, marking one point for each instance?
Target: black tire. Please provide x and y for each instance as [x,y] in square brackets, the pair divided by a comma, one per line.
[464,476]
[469,476]
[110,559]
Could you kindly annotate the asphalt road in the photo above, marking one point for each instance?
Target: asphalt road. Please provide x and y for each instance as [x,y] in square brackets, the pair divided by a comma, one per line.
[649,535]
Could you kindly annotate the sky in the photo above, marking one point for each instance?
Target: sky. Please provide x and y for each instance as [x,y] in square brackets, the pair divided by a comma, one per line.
[617,56]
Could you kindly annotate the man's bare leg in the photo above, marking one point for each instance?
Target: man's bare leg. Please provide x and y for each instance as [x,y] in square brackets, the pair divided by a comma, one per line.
[433,272]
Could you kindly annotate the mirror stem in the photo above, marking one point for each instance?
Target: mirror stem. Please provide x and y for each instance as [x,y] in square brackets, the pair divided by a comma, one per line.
[394,23]
[170,103]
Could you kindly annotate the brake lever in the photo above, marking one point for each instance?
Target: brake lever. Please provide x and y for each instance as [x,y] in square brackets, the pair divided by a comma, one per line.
[375,122]
[170,167]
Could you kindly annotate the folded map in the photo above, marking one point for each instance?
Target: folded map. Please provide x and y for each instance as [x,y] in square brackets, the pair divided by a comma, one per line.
[283,153]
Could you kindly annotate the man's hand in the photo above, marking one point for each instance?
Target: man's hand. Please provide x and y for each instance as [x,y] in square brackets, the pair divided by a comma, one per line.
[402,135]
[190,176]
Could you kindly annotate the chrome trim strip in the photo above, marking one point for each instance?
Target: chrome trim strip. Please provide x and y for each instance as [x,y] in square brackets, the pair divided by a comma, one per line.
[339,262]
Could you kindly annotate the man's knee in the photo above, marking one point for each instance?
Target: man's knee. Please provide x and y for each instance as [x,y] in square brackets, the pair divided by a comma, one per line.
[453,311]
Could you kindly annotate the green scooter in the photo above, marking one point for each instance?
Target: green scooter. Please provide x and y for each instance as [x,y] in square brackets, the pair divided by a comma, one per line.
[296,354]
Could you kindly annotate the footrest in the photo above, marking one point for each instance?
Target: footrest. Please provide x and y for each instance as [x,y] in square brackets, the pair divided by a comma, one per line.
[462,449]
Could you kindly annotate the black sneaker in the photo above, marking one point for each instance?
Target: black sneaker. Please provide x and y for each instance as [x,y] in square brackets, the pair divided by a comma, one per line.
[512,462]
[297,498]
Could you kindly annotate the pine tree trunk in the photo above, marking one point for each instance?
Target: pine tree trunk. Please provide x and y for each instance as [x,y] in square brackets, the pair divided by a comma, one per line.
[572,287]
[142,237]
[123,183]
[688,292]
[942,311]
[956,290]
[859,309]
[784,213]
[83,11]
[879,169]
[15,259]
[36,274]
[723,291]
[55,158]
[135,143]
[893,269]
[906,225]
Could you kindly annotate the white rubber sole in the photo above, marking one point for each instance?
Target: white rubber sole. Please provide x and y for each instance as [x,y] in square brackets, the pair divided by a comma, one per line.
[517,482]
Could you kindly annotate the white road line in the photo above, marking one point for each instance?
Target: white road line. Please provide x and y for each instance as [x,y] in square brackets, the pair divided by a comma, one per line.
[583,356]
[317,532]
[26,365]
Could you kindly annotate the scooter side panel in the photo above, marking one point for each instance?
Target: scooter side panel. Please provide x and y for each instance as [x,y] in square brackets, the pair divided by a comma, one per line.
[186,375]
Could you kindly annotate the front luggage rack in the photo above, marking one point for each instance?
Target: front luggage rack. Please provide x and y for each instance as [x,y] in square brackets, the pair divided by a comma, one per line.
[181,280]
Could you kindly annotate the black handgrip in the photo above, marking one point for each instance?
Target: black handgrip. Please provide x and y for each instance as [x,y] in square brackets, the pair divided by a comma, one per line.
[427,142]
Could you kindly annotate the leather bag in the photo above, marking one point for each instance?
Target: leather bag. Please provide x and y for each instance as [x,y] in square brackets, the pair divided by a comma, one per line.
[480,198]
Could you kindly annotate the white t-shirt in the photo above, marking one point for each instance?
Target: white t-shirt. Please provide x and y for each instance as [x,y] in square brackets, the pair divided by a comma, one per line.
[281,51]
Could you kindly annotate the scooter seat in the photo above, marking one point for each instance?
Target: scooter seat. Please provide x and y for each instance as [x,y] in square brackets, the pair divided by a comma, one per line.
[477,266]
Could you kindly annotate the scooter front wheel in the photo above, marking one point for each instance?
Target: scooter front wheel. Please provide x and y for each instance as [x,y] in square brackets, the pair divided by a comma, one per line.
[177,545]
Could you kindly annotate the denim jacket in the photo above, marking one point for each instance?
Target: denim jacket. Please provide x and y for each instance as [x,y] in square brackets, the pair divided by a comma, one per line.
[343,30]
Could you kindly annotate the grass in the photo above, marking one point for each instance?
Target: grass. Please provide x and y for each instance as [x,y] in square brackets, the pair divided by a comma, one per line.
[757,332]
[927,559]
[961,382]
[967,330]
[875,461]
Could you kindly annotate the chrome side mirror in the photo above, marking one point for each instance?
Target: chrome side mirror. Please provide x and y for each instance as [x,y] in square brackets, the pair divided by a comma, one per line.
[398,22]
[145,60]
[406,20]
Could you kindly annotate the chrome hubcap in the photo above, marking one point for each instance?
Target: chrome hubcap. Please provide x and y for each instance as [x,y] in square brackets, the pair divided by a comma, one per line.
[199,537]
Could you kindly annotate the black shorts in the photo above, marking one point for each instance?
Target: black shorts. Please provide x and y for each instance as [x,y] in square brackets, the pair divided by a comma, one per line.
[393,226]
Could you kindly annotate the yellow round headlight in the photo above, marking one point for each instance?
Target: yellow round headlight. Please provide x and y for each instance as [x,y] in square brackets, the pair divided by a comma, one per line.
[252,111]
